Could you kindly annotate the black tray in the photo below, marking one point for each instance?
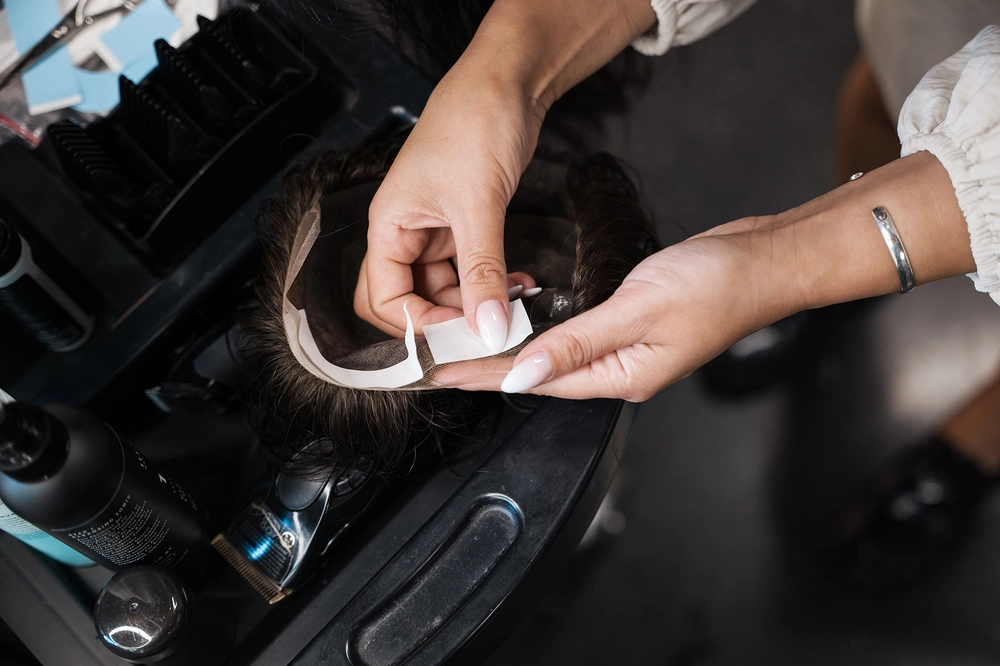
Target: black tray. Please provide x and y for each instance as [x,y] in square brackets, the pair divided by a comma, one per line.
[200,133]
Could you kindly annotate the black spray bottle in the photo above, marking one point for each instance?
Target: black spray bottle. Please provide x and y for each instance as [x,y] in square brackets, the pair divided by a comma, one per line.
[64,470]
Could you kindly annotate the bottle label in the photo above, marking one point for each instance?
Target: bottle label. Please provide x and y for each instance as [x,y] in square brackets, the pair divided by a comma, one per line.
[151,520]
[14,524]
[131,533]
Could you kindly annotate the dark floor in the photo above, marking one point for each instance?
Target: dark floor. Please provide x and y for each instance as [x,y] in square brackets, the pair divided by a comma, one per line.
[723,499]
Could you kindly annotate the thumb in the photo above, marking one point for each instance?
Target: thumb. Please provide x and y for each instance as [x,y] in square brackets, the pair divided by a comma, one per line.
[574,344]
[482,273]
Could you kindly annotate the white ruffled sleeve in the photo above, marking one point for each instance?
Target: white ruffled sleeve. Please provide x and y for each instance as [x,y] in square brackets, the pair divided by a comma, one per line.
[954,114]
[680,22]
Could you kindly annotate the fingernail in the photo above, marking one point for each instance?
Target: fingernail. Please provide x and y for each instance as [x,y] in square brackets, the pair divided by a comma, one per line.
[515,290]
[529,373]
[534,291]
[492,320]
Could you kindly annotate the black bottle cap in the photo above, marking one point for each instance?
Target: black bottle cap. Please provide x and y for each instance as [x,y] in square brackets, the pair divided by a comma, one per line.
[10,248]
[142,614]
[33,443]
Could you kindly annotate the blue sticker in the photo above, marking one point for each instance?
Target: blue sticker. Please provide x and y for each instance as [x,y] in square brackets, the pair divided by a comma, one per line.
[54,82]
[49,84]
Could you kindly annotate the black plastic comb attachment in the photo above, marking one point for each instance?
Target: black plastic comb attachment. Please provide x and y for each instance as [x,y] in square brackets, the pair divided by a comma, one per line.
[261,84]
[129,198]
[175,146]
[217,117]
[201,97]
[87,163]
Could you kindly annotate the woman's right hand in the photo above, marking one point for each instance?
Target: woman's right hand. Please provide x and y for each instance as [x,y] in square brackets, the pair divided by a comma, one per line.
[443,201]
[445,197]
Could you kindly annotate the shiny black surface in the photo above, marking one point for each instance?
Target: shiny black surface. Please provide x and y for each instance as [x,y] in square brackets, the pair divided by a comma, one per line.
[33,443]
[83,480]
[10,248]
[535,494]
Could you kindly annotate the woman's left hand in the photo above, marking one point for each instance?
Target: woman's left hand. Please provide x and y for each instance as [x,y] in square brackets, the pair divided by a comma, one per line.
[686,304]
[675,311]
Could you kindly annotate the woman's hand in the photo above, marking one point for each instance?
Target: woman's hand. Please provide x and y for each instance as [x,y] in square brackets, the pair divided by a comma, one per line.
[674,312]
[445,197]
[687,303]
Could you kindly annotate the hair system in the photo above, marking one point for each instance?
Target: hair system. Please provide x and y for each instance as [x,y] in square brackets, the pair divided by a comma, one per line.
[389,431]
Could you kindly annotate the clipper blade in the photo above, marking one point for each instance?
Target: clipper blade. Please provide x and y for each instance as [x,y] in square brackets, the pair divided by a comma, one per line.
[264,585]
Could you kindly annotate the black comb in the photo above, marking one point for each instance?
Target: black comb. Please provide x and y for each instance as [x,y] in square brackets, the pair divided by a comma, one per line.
[87,163]
[170,142]
[220,44]
[202,98]
[95,171]
[218,115]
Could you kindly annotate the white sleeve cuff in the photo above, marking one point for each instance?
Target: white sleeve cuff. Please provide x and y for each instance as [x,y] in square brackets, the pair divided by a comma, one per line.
[659,40]
[680,22]
[954,114]
[981,214]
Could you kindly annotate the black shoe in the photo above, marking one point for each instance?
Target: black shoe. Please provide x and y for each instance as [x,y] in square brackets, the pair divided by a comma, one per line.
[917,511]
[758,360]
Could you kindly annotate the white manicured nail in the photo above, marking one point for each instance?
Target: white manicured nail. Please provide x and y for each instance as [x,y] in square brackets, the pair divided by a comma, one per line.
[534,291]
[515,290]
[492,320]
[529,373]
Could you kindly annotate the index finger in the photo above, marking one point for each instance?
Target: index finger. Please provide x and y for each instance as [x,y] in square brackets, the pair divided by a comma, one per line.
[389,278]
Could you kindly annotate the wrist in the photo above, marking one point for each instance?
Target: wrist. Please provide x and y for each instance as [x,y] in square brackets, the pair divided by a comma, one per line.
[830,250]
[829,255]
[545,48]
[773,277]
[760,276]
[496,91]
[508,56]
[806,258]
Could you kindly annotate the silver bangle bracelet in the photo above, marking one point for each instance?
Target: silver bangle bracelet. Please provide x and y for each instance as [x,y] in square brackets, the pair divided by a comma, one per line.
[896,250]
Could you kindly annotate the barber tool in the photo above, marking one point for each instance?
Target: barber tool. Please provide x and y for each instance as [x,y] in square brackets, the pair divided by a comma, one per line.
[69,27]
[146,614]
[33,298]
[204,129]
[65,471]
[288,524]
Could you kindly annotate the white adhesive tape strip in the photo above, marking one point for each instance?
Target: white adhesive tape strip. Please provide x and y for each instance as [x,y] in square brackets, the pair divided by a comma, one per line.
[303,345]
[452,341]
[401,374]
